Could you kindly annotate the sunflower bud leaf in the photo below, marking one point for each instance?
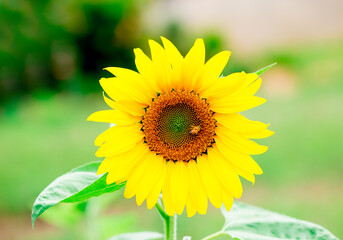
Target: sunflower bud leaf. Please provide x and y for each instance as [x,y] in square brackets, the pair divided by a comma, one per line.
[262,70]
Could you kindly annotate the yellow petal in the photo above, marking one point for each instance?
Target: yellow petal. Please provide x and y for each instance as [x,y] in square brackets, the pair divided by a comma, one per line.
[179,186]
[152,173]
[191,211]
[125,73]
[175,59]
[113,116]
[211,183]
[212,70]
[238,123]
[224,86]
[247,128]
[119,88]
[119,144]
[251,89]
[167,200]
[119,166]
[109,86]
[243,161]
[225,173]
[108,101]
[249,80]
[118,181]
[134,79]
[112,162]
[146,68]
[130,83]
[234,104]
[197,190]
[117,132]
[132,107]
[228,201]
[162,65]
[193,64]
[173,54]
[245,174]
[258,135]
[156,190]
[237,142]
[134,178]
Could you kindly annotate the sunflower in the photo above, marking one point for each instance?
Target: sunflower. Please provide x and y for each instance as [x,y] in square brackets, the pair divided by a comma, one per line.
[177,129]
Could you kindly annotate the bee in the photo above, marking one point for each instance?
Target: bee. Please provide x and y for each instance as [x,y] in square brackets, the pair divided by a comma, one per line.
[194,130]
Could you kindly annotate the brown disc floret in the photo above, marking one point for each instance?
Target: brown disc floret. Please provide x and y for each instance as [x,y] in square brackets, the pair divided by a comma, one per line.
[179,125]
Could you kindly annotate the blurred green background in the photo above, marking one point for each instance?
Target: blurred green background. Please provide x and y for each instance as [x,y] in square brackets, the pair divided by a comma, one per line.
[51,58]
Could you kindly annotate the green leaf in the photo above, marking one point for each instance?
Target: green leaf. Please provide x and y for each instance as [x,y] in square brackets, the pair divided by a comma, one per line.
[259,72]
[137,236]
[77,185]
[246,222]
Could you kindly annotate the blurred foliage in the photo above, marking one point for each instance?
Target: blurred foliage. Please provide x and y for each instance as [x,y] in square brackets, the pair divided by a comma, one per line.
[64,45]
[54,44]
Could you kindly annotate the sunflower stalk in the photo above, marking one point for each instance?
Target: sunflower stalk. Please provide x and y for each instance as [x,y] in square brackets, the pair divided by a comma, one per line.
[170,223]
[92,214]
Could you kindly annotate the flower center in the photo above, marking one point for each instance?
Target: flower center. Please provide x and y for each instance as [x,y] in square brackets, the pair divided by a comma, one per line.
[179,126]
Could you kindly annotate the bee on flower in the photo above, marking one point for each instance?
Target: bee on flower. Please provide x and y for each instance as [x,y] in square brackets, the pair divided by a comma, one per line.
[194,130]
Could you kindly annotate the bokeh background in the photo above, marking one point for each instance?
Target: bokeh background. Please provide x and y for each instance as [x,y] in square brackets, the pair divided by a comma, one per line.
[51,58]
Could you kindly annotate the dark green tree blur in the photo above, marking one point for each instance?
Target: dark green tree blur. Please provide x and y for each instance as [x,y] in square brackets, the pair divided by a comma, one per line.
[62,45]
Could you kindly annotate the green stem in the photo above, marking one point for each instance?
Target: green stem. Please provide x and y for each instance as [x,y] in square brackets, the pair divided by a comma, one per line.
[214,235]
[170,223]
[92,215]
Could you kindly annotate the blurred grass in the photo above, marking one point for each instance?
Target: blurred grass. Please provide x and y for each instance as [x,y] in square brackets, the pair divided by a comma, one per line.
[43,137]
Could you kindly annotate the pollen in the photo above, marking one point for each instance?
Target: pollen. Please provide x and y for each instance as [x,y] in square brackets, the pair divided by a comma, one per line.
[179,125]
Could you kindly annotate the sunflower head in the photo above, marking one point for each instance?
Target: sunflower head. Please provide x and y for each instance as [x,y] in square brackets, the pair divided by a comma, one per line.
[178,129]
